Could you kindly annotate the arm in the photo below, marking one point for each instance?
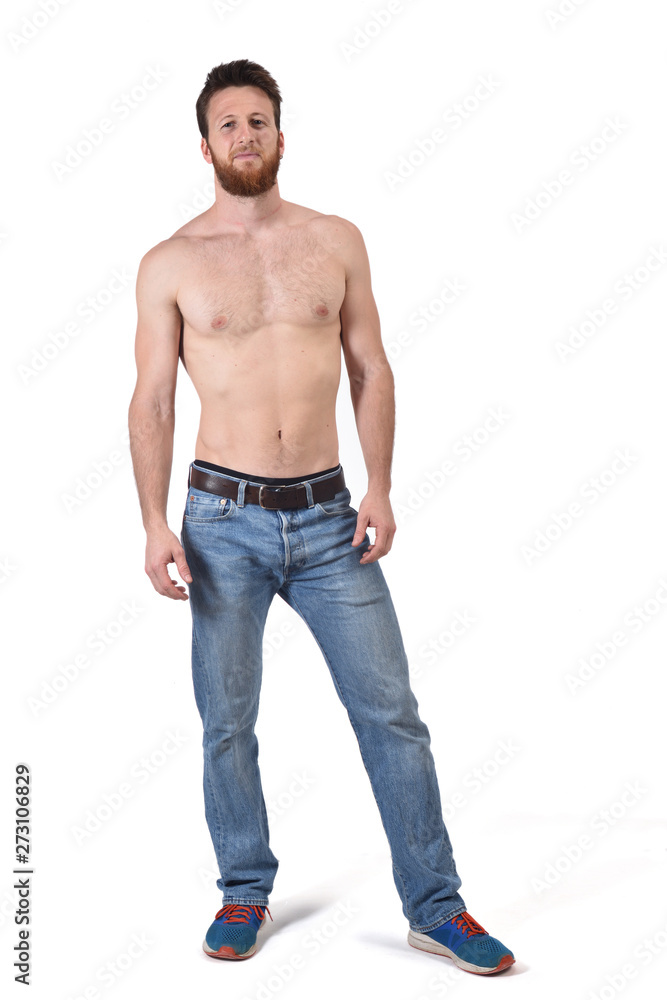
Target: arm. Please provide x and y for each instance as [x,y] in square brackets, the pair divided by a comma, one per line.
[372,393]
[151,415]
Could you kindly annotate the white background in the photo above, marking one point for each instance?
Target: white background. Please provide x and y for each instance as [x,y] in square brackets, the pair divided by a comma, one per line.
[357,98]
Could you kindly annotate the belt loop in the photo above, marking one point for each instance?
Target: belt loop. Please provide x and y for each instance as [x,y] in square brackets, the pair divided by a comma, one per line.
[309,493]
[241,494]
[189,474]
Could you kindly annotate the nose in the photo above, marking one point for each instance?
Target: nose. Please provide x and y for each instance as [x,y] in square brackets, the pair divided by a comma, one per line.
[245,135]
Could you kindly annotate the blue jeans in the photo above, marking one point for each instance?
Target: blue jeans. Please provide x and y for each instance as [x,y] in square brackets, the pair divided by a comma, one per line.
[241,555]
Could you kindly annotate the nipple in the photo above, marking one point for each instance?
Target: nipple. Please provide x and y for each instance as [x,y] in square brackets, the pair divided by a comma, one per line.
[219,322]
[322,311]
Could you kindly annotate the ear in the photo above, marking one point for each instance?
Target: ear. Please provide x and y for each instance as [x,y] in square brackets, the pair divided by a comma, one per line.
[206,153]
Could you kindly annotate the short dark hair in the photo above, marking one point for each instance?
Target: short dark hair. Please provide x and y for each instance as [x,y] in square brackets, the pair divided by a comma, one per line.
[239,73]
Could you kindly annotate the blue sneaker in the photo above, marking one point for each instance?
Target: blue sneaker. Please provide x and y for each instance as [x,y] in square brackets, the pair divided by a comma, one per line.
[233,933]
[467,944]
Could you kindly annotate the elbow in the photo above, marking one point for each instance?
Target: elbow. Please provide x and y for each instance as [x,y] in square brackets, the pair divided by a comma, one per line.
[150,408]
[376,374]
[377,368]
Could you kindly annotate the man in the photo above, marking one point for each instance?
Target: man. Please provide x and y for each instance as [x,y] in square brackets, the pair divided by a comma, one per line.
[257,296]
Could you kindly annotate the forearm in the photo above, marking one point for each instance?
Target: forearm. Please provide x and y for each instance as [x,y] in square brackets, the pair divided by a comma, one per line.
[151,447]
[375,415]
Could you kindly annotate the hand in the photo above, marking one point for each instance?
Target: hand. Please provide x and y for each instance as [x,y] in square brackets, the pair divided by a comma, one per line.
[375,512]
[162,548]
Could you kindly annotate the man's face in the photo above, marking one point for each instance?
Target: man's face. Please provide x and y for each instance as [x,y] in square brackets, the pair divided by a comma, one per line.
[243,145]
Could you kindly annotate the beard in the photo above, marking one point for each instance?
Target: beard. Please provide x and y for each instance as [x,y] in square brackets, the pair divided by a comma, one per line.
[248,181]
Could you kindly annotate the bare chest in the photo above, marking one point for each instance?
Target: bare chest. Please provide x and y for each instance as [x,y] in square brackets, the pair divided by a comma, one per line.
[231,287]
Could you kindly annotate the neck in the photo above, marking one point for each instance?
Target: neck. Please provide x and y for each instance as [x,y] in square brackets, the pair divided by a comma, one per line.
[245,213]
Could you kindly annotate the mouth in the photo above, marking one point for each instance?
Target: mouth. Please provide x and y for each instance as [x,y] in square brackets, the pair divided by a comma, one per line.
[245,156]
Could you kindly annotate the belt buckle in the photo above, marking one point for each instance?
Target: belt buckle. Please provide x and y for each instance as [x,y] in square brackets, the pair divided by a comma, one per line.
[265,486]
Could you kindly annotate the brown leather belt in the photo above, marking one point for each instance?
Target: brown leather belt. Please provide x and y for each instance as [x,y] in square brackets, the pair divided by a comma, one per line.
[268,497]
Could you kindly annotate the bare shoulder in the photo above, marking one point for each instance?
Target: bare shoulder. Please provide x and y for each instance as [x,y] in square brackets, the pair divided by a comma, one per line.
[301,215]
[352,241]
[162,264]
[347,237]
[348,229]
[198,226]
[171,253]
[341,237]
[336,225]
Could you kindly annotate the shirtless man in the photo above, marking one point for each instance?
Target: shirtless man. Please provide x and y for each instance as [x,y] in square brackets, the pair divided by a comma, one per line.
[258,296]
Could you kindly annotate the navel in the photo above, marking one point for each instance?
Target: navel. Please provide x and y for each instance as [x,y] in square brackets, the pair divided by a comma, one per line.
[280,434]
[219,322]
[322,311]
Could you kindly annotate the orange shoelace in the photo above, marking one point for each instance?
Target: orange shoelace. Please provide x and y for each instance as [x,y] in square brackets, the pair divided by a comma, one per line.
[468,924]
[237,913]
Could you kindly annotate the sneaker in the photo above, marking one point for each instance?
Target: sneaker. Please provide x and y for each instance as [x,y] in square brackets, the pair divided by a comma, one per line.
[467,944]
[233,933]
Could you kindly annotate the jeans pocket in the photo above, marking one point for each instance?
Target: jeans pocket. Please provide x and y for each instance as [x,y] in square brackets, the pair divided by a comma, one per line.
[340,504]
[201,507]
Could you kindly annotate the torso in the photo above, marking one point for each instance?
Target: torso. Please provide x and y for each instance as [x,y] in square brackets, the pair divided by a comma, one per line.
[261,341]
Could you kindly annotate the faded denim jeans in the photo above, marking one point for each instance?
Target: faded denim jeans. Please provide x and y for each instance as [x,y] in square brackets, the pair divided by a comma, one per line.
[241,555]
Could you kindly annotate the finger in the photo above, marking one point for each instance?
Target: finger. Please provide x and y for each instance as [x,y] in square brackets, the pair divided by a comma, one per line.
[163,582]
[176,592]
[370,555]
[182,566]
[360,532]
[184,571]
[382,544]
[381,540]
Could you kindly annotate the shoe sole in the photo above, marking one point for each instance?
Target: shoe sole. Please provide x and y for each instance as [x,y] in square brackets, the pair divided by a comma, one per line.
[226,951]
[424,943]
